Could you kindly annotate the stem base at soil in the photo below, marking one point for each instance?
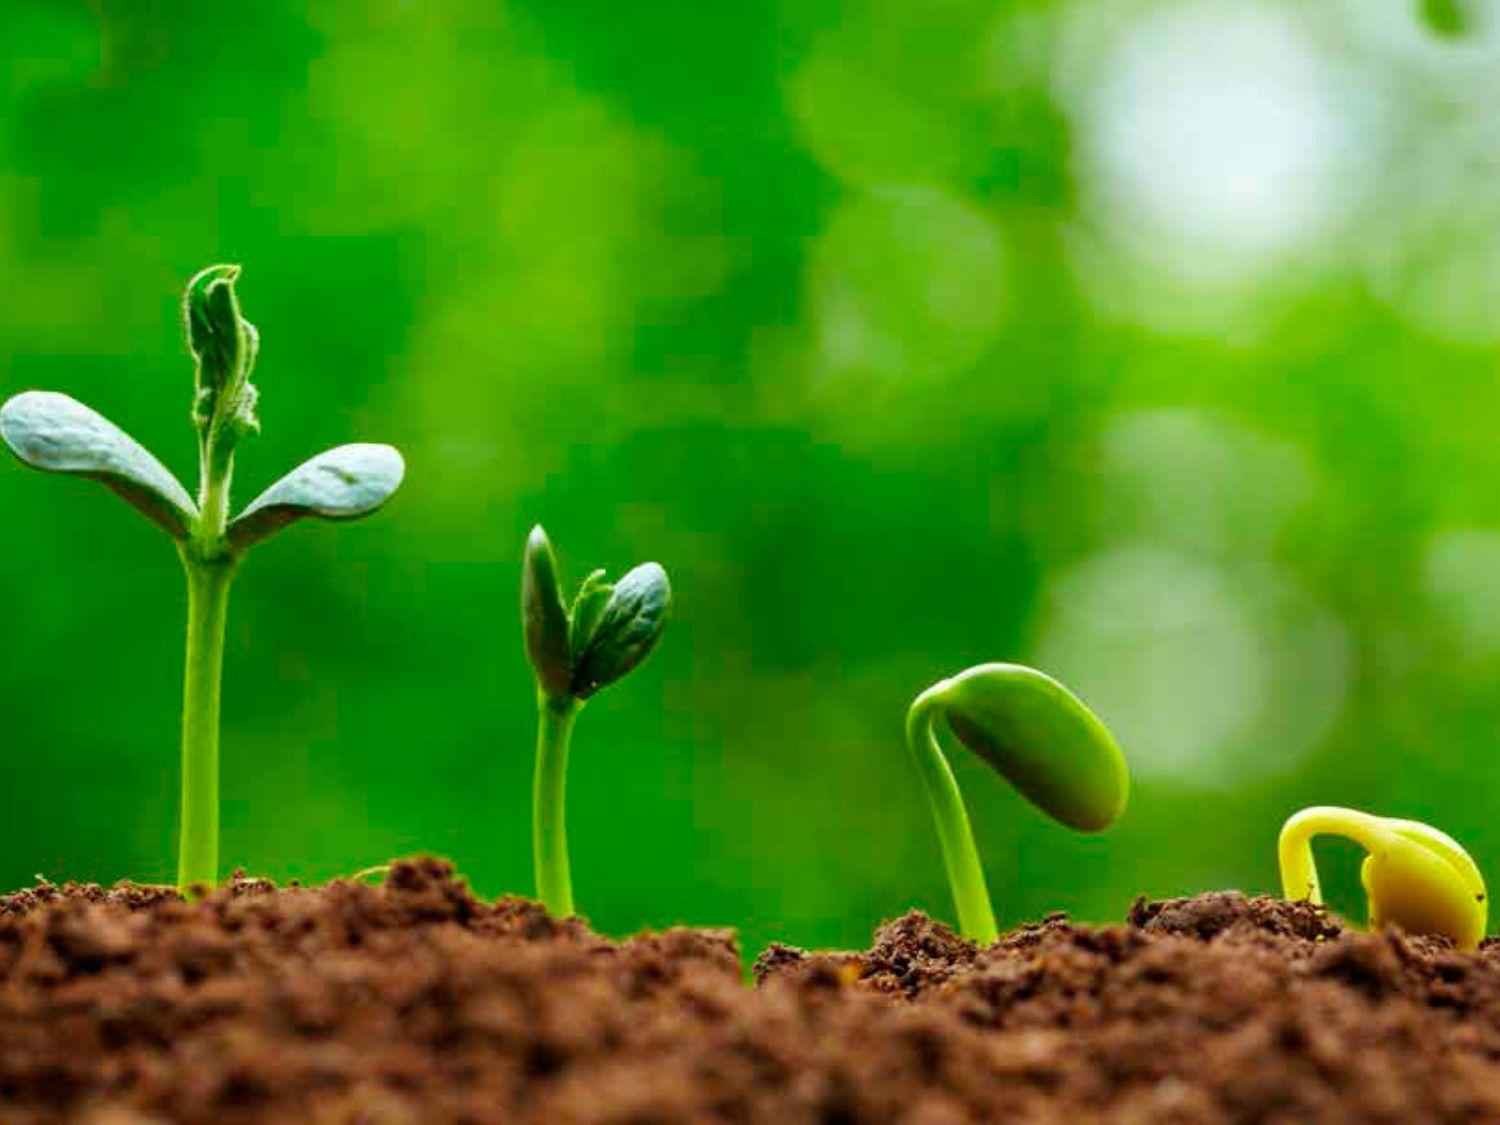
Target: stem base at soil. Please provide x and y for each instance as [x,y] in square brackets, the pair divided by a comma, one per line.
[207,610]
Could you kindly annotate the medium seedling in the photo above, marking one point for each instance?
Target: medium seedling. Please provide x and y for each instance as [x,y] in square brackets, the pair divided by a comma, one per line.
[1414,876]
[1037,735]
[574,652]
[55,433]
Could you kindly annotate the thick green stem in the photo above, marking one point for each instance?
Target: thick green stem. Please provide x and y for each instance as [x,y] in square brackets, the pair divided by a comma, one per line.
[549,794]
[210,569]
[976,918]
[207,608]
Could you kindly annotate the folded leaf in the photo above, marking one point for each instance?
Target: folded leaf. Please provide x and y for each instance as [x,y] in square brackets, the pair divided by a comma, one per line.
[339,484]
[544,620]
[58,434]
[225,345]
[588,604]
[211,312]
[628,628]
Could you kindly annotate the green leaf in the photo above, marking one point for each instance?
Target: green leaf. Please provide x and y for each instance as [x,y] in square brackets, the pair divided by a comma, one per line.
[339,484]
[544,621]
[213,323]
[58,434]
[225,346]
[628,628]
[1042,739]
[588,605]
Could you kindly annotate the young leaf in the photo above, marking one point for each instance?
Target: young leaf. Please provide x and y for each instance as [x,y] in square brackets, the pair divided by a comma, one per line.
[338,484]
[627,630]
[58,434]
[544,620]
[225,345]
[588,604]
[212,316]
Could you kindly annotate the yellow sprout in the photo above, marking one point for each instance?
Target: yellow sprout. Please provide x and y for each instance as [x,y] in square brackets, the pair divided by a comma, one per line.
[1415,877]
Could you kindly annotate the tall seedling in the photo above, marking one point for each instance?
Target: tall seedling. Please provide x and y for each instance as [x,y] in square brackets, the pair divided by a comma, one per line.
[58,434]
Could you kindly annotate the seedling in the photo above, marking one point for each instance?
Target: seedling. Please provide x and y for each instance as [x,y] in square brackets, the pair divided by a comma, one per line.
[1036,734]
[1414,876]
[55,433]
[574,652]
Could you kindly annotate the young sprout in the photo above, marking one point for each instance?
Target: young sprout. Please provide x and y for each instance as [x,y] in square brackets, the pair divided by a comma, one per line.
[1036,734]
[574,652]
[55,433]
[1415,877]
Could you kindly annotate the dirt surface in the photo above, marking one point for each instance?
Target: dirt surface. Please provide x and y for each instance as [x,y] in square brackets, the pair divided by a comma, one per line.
[415,1002]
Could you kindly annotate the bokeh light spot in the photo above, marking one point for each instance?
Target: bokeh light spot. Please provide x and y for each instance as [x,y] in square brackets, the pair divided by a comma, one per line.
[1208,677]
[1216,128]
[906,281]
[1461,576]
[1190,479]
[1217,144]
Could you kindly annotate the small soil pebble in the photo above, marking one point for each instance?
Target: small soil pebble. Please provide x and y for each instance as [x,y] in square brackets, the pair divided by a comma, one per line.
[414,1001]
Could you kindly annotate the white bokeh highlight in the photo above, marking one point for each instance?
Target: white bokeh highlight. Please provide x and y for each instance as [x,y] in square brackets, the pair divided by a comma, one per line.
[1221,148]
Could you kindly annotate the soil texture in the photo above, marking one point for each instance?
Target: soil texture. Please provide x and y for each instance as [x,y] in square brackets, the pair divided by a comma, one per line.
[414,1001]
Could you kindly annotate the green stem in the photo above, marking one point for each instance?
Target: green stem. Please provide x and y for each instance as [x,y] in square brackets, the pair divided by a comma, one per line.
[207,608]
[976,918]
[215,471]
[549,830]
[210,570]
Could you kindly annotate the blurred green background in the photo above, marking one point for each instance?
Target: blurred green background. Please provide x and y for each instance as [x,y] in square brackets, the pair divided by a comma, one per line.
[1153,342]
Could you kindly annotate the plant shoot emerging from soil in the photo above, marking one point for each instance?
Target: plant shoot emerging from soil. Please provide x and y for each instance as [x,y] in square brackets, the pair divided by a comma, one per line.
[1033,732]
[609,630]
[55,433]
[1414,876]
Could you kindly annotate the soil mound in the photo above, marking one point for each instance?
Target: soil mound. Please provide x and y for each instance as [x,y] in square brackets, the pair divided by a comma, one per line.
[416,1002]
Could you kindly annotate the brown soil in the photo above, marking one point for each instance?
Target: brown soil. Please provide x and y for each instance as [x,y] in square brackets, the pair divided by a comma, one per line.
[415,1002]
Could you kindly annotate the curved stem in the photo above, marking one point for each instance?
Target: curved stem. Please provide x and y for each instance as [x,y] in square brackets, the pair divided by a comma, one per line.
[1299,874]
[976,918]
[549,830]
[207,610]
